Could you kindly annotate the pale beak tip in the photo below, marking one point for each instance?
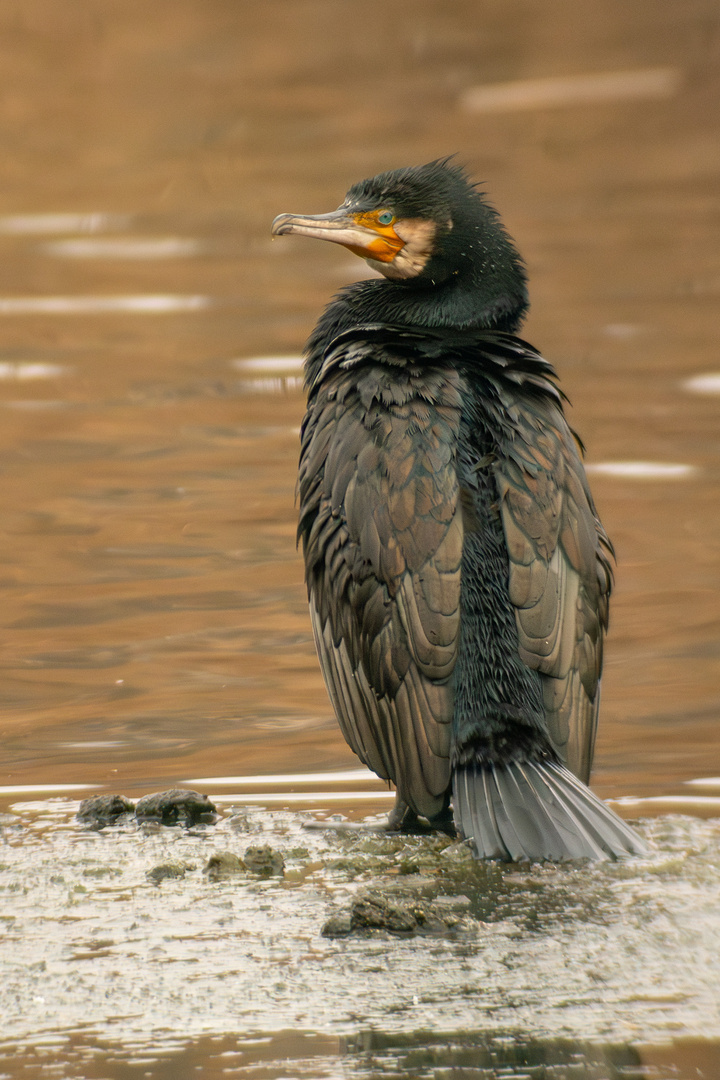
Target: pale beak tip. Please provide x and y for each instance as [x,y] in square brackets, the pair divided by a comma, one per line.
[281,225]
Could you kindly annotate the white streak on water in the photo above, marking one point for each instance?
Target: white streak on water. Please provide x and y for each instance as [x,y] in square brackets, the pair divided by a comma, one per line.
[28,789]
[641,470]
[677,803]
[304,797]
[346,776]
[21,370]
[161,304]
[605,86]
[270,364]
[704,384]
[47,224]
[169,247]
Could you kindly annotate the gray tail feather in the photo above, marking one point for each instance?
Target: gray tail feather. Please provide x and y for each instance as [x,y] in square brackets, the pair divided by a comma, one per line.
[536,810]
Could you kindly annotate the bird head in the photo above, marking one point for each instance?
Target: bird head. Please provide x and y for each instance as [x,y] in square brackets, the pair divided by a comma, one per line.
[420,225]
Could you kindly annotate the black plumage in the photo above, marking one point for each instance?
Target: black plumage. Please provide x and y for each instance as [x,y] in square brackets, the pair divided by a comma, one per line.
[457,572]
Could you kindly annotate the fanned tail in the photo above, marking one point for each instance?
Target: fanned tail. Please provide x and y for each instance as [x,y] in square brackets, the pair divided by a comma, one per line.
[533,810]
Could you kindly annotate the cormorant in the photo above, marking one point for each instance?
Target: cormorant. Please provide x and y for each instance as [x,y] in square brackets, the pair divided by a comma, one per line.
[457,571]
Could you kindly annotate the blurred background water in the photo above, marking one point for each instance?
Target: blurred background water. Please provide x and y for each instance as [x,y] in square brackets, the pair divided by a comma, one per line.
[154,617]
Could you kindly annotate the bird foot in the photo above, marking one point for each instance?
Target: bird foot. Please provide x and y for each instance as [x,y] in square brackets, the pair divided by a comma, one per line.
[400,820]
[404,820]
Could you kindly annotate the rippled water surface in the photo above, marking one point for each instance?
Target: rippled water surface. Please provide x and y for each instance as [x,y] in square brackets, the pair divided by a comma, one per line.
[546,967]
[154,620]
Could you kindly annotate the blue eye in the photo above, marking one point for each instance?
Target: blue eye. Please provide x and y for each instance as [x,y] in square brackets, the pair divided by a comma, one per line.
[386,218]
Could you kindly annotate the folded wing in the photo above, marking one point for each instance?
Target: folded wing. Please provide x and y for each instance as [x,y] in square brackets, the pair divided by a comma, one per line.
[382,539]
[560,575]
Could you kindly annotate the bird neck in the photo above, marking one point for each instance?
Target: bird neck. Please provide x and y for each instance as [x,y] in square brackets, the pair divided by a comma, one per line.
[462,302]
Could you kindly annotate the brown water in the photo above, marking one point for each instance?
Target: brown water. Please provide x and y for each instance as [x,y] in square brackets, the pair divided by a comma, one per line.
[155,625]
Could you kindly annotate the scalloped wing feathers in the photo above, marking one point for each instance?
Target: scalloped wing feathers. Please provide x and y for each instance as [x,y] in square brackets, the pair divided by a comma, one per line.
[383,544]
[560,576]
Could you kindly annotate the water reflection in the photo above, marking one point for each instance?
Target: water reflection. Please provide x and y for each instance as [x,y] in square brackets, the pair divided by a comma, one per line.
[271,374]
[369,1055]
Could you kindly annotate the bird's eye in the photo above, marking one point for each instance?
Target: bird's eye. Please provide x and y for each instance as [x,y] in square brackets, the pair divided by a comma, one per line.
[386,218]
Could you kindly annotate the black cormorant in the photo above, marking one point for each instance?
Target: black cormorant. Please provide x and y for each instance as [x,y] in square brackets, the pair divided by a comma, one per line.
[457,571]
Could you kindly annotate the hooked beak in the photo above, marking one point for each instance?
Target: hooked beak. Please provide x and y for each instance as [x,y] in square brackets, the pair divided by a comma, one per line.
[358,232]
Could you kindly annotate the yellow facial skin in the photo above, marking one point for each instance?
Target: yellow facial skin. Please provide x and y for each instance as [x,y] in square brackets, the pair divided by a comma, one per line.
[386,244]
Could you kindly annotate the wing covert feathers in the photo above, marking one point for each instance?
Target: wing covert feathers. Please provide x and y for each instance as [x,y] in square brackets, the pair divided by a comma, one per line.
[383,543]
[560,575]
[534,811]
